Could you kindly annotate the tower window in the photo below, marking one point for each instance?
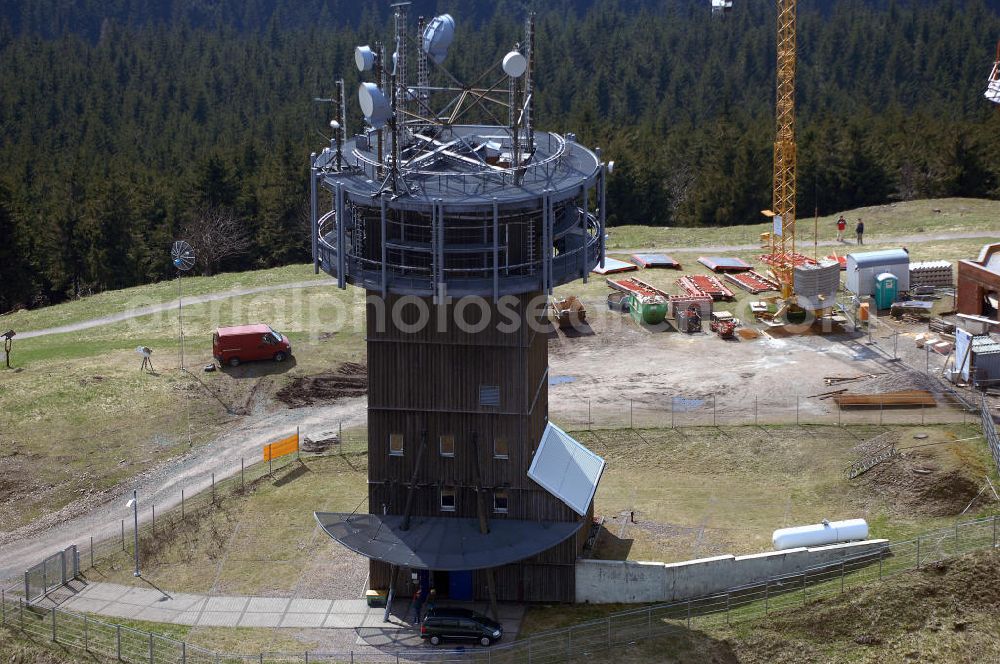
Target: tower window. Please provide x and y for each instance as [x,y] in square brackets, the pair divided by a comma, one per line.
[489,395]
[500,449]
[500,501]
[446,445]
[395,444]
[448,499]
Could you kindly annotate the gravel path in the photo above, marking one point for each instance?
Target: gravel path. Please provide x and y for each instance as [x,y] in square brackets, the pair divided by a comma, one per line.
[166,306]
[896,239]
[162,486]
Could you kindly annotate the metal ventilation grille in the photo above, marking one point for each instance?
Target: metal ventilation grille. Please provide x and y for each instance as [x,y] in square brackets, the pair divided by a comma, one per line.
[489,395]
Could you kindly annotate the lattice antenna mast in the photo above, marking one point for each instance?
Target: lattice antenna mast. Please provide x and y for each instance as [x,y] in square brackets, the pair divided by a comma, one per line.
[423,72]
[400,90]
[783,239]
[342,110]
[529,82]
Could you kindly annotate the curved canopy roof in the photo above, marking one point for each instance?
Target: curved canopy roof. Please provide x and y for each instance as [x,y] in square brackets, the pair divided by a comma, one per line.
[444,543]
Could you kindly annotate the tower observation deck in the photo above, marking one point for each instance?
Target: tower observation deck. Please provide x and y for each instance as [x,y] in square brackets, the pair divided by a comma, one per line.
[448,195]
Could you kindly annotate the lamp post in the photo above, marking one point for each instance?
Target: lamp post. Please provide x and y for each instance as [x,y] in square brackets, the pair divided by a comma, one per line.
[134,504]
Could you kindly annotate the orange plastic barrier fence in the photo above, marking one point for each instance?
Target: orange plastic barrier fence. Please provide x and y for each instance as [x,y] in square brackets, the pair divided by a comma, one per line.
[282,447]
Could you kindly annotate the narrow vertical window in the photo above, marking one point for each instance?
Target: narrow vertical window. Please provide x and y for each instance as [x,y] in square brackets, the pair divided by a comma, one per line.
[446,445]
[395,444]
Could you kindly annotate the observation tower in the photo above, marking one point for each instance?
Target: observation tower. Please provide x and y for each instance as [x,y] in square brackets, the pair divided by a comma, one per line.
[458,218]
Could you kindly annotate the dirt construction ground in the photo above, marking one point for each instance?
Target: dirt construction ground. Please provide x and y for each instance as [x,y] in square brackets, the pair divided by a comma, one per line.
[623,374]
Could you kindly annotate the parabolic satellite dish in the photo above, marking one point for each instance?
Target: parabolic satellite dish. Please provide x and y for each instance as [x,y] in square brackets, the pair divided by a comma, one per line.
[438,36]
[182,255]
[515,64]
[374,105]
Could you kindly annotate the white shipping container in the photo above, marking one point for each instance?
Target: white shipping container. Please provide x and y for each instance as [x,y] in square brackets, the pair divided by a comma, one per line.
[862,268]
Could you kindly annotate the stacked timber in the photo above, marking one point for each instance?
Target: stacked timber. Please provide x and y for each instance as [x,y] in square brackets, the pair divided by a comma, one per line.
[903,399]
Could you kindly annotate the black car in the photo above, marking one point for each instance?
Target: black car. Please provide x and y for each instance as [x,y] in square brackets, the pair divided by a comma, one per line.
[456,624]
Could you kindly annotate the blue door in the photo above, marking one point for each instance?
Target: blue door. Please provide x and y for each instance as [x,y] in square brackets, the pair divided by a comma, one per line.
[460,586]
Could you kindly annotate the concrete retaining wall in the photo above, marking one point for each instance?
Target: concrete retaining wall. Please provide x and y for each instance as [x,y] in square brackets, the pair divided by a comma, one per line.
[607,581]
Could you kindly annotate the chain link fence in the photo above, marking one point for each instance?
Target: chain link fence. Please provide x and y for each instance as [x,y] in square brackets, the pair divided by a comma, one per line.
[72,630]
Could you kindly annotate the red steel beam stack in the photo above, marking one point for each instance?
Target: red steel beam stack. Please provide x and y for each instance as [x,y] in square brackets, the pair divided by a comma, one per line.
[752,281]
[704,284]
[633,285]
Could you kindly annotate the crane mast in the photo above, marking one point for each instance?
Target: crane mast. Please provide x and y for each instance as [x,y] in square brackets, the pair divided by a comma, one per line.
[783,202]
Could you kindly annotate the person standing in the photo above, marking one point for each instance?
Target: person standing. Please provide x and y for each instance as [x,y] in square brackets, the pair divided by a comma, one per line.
[841,227]
[860,230]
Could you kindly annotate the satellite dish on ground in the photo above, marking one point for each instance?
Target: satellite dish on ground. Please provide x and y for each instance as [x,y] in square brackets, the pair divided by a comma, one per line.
[364,58]
[438,36]
[374,105]
[182,255]
[515,64]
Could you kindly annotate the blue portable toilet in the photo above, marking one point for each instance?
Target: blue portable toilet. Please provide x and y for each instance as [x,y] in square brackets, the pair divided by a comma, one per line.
[886,288]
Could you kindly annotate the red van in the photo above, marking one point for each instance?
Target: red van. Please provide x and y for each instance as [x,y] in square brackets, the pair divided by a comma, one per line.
[245,343]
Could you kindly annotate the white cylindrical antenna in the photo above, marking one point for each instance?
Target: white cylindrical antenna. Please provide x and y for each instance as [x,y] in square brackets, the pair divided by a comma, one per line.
[515,64]
[364,58]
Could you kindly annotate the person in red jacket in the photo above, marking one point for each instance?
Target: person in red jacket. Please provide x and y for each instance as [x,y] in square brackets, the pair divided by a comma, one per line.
[841,227]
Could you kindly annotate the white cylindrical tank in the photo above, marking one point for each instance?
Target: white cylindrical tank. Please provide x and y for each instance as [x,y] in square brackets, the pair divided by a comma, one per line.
[819,534]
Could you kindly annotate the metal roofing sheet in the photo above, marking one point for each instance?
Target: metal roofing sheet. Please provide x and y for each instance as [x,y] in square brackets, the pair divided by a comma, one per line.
[883,257]
[654,260]
[566,469]
[612,265]
[724,263]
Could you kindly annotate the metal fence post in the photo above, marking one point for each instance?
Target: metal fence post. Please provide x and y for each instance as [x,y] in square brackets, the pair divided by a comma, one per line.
[54,637]
[151,659]
[86,634]
[184,652]
[118,642]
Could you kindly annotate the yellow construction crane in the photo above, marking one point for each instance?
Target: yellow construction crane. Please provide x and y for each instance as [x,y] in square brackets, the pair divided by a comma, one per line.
[782,238]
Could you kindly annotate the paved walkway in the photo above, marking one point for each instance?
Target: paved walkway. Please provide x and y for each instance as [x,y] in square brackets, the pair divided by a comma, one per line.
[111,599]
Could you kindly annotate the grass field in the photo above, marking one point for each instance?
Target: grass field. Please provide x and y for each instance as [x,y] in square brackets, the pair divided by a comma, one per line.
[696,492]
[265,542]
[79,418]
[945,612]
[947,215]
